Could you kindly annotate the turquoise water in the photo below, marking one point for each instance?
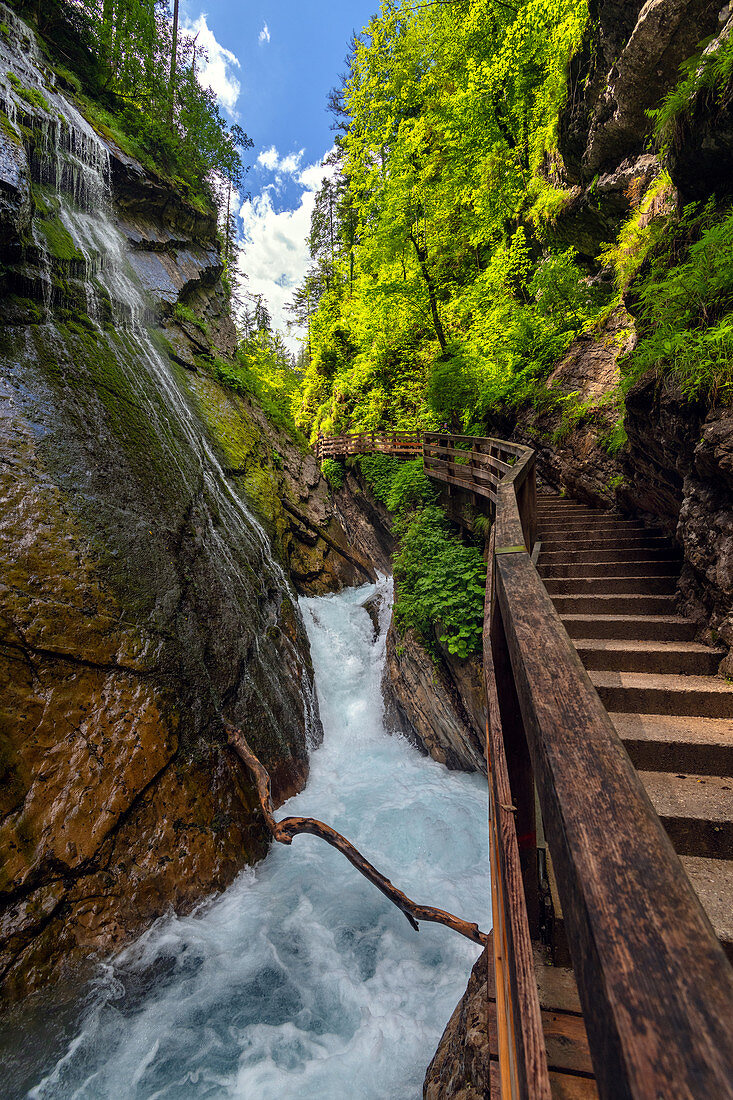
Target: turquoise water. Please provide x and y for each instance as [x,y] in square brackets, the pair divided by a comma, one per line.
[301,981]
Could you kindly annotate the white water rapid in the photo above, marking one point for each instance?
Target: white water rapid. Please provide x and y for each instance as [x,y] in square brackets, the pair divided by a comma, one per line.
[302,982]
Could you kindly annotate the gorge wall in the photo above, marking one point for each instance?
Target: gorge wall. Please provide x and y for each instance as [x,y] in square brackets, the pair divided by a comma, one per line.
[145,545]
[673,469]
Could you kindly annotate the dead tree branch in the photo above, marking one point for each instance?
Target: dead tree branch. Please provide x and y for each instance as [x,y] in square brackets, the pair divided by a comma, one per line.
[284,831]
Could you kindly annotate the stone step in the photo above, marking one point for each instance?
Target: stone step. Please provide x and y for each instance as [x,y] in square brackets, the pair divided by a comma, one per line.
[599,585]
[602,527]
[667,658]
[644,552]
[652,567]
[615,605]
[580,545]
[671,743]
[713,882]
[696,811]
[650,693]
[657,628]
[574,513]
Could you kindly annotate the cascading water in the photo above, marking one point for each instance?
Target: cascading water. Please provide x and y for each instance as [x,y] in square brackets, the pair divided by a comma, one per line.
[302,982]
[70,168]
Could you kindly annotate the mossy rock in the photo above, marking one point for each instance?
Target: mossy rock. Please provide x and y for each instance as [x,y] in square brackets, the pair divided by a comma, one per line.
[9,130]
[58,241]
[244,452]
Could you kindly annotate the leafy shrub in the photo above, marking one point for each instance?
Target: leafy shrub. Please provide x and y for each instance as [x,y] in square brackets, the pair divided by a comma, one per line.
[410,488]
[686,307]
[333,472]
[186,314]
[707,74]
[379,472]
[440,582]
[641,231]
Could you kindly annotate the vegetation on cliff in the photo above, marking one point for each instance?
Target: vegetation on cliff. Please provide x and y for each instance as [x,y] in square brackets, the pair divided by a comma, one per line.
[440,290]
[444,288]
[439,294]
[134,75]
[440,580]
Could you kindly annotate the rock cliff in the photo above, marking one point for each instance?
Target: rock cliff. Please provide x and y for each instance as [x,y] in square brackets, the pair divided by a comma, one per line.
[141,596]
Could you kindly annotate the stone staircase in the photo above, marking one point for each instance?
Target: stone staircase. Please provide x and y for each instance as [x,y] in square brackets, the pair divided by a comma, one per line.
[613,583]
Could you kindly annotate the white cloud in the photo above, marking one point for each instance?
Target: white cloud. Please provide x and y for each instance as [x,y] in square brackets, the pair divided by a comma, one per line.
[264,35]
[217,71]
[275,255]
[273,162]
[313,176]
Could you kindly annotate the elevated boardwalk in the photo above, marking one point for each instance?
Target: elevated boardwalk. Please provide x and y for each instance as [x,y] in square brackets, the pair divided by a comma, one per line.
[589,671]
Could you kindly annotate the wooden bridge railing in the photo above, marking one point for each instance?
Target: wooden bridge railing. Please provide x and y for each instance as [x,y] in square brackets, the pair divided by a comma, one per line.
[403,444]
[655,985]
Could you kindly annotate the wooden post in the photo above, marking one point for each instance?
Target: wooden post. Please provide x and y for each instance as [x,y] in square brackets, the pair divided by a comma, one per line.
[519,766]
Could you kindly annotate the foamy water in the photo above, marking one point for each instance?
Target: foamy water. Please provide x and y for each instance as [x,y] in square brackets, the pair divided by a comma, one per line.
[301,981]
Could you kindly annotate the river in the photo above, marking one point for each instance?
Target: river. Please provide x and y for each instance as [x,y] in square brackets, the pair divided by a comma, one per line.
[301,981]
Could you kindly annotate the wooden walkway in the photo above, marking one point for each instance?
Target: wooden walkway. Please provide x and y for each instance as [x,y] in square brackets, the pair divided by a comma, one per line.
[574,828]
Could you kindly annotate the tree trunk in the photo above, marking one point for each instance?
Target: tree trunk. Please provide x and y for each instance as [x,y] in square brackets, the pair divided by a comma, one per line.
[174,53]
[422,258]
[107,31]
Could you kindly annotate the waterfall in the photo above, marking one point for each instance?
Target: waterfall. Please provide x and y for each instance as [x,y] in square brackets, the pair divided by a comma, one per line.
[302,982]
[70,169]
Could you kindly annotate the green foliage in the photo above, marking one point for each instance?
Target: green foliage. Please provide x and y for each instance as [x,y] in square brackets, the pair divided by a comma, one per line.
[549,202]
[708,75]
[641,231]
[425,305]
[116,56]
[379,472]
[185,313]
[686,307]
[333,472]
[57,241]
[615,439]
[263,369]
[409,488]
[440,582]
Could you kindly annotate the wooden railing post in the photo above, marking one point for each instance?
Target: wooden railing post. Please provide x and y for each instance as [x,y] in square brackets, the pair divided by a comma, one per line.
[521,778]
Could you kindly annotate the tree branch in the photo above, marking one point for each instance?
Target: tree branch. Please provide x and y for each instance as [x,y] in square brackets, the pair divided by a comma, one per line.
[284,831]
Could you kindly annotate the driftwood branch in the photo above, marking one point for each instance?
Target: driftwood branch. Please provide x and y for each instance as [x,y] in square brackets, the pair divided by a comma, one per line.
[284,831]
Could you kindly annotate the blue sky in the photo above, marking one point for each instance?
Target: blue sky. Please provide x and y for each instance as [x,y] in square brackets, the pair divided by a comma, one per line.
[272,63]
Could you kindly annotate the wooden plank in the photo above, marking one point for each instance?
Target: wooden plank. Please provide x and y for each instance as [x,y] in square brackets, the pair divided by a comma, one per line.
[479,458]
[525,1008]
[557,987]
[655,985]
[483,490]
[563,1086]
[566,1043]
[503,444]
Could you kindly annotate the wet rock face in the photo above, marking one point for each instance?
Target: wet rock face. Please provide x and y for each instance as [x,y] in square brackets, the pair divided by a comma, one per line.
[134,611]
[139,597]
[575,459]
[700,157]
[679,473]
[15,191]
[462,1064]
[630,61]
[438,707]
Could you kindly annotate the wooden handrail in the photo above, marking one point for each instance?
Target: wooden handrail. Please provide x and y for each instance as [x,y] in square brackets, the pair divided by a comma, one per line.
[655,985]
